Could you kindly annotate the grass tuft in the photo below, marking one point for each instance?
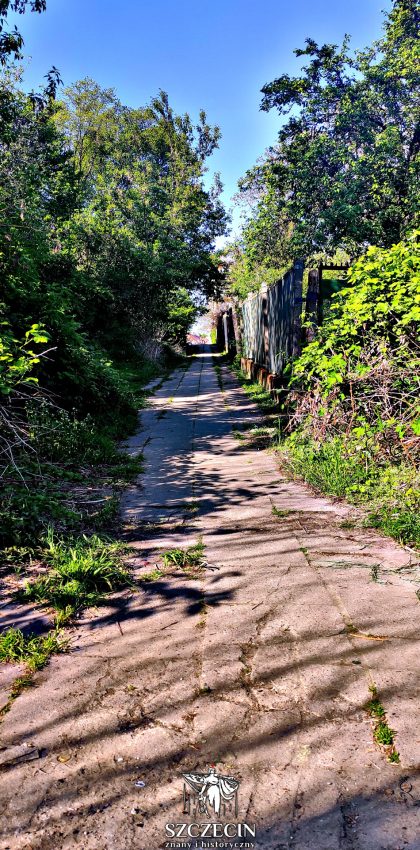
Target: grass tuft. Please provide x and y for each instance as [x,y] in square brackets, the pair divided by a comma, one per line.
[32,650]
[382,733]
[81,571]
[189,560]
[279,513]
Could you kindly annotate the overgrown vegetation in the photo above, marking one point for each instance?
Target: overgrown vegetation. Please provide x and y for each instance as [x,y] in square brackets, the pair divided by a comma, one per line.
[107,237]
[343,173]
[343,177]
[191,560]
[354,406]
[256,392]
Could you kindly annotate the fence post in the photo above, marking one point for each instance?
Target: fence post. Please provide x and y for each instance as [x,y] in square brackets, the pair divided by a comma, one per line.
[237,327]
[264,296]
[312,304]
[297,301]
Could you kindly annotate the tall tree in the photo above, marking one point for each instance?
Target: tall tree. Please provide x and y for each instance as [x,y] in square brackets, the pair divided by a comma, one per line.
[344,173]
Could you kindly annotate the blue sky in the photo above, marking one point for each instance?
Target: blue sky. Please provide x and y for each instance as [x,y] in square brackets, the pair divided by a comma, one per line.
[213,54]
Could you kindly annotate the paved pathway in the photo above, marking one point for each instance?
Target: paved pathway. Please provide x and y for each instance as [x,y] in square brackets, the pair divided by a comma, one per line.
[260,667]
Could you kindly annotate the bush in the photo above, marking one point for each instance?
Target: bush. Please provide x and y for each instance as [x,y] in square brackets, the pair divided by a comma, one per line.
[59,436]
[354,413]
[26,512]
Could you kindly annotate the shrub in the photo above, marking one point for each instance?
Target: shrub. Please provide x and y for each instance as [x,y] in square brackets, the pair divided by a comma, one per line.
[354,414]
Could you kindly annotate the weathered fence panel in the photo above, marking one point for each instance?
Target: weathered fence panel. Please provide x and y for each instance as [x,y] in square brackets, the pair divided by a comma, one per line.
[271,322]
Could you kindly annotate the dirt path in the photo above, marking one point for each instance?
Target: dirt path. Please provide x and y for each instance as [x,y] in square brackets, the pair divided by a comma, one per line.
[261,667]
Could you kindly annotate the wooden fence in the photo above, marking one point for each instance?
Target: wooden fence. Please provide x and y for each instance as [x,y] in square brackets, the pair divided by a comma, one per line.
[271,326]
[267,327]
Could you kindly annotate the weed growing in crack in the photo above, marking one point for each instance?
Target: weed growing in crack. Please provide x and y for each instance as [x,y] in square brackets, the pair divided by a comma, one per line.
[154,575]
[374,572]
[19,685]
[280,513]
[382,733]
[191,507]
[219,375]
[203,614]
[189,560]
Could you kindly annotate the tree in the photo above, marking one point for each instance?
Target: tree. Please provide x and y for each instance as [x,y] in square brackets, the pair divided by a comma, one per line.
[107,230]
[11,43]
[144,223]
[344,172]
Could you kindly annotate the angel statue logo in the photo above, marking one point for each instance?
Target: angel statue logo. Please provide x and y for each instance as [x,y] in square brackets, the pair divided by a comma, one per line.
[210,809]
[210,794]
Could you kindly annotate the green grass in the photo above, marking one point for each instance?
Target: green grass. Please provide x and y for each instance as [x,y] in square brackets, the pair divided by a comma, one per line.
[382,733]
[191,559]
[81,571]
[262,397]
[126,469]
[219,374]
[19,685]
[279,513]
[154,575]
[402,524]
[31,650]
[336,468]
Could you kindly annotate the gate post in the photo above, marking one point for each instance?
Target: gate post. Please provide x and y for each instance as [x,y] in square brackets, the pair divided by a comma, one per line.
[312,304]
[297,301]
[265,319]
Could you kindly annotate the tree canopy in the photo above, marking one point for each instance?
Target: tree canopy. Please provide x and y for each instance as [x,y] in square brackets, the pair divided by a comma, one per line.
[343,174]
[106,224]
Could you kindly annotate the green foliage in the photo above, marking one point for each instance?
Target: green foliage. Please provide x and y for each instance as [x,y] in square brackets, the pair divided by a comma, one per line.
[341,467]
[354,406]
[17,359]
[254,390]
[344,171]
[382,303]
[59,436]
[32,650]
[11,43]
[403,524]
[107,230]
[247,271]
[82,570]
[382,733]
[25,512]
[280,513]
[182,313]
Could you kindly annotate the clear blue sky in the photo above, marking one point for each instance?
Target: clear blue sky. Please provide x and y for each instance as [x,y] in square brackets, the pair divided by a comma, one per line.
[210,54]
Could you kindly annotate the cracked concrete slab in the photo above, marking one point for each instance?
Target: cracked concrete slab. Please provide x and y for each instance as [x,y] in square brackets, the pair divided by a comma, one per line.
[261,665]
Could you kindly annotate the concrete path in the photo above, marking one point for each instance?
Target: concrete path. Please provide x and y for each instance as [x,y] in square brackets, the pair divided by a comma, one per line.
[261,666]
